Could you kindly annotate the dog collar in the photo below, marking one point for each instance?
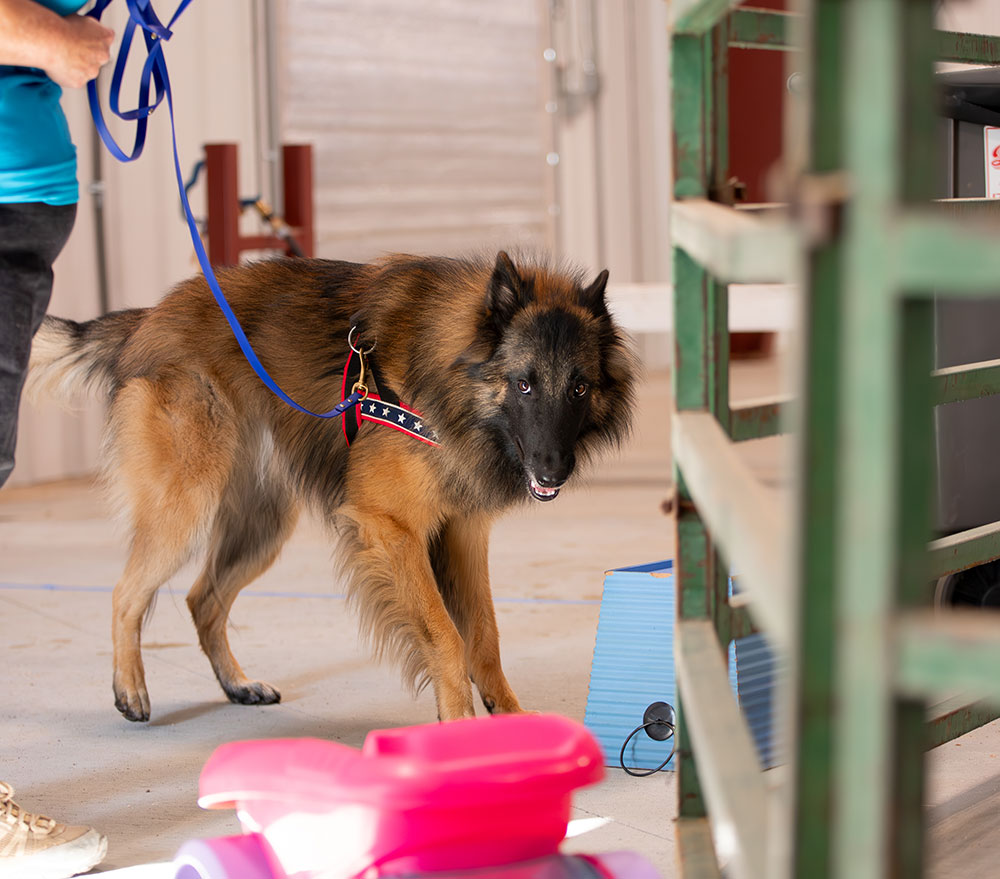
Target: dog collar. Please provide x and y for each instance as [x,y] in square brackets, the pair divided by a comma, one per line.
[380,405]
[398,417]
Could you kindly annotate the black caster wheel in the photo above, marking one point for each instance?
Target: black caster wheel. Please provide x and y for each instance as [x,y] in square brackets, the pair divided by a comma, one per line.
[975,587]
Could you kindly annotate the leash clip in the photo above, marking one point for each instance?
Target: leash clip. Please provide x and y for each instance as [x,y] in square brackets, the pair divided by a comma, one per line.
[359,385]
[361,388]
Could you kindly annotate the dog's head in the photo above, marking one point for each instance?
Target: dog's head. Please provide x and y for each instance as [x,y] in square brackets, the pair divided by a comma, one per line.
[561,371]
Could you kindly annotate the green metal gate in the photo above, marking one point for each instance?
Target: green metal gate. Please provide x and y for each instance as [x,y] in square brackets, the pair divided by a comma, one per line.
[839,579]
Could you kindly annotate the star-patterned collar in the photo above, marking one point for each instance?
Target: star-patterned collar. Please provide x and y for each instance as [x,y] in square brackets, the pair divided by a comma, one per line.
[398,417]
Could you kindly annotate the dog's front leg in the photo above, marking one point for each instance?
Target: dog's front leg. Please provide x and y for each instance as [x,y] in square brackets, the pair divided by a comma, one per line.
[394,588]
[462,568]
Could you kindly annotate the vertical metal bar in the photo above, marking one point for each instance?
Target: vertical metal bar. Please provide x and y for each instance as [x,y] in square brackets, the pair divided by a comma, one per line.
[717,306]
[694,563]
[223,203]
[916,465]
[717,76]
[811,667]
[96,190]
[692,545]
[690,374]
[812,677]
[267,102]
[298,185]
[717,313]
[915,439]
[691,103]
[687,64]
[693,575]
[717,299]
[717,170]
[690,800]
[708,115]
[867,490]
[271,28]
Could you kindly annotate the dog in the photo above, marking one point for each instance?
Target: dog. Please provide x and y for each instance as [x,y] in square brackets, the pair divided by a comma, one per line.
[511,373]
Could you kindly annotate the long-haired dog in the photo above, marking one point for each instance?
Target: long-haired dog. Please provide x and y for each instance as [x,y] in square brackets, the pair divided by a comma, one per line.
[510,374]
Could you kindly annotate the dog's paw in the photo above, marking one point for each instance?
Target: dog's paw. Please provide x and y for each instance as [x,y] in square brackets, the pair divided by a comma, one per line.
[252,693]
[133,707]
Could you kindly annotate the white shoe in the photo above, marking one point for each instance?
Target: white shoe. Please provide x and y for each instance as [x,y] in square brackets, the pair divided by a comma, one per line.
[36,847]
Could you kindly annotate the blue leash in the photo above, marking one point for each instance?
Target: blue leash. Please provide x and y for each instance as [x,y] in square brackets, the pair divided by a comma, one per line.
[154,74]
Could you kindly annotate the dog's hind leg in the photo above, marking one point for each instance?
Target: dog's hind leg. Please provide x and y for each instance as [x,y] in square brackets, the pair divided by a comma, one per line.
[171,459]
[254,520]
[158,550]
[460,557]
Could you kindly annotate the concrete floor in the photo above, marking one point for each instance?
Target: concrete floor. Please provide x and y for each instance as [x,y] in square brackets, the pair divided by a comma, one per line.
[71,755]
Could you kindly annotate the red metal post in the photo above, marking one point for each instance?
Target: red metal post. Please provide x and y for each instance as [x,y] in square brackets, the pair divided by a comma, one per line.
[298,181]
[223,204]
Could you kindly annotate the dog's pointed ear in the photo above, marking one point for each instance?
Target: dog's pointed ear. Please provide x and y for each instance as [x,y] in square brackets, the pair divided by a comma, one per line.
[507,291]
[593,296]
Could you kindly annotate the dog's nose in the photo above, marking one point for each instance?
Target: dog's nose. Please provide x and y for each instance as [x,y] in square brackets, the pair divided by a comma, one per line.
[550,480]
[552,469]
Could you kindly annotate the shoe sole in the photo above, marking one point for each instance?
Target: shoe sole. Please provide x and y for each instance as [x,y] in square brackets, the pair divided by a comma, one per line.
[60,861]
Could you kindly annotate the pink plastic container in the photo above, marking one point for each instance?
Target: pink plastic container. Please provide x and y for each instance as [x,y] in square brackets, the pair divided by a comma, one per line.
[443,797]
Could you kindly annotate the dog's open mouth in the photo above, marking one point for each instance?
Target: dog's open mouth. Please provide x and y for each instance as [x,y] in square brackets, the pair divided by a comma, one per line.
[541,493]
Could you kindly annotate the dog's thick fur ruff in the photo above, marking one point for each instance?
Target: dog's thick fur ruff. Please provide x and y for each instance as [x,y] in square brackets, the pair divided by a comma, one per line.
[519,369]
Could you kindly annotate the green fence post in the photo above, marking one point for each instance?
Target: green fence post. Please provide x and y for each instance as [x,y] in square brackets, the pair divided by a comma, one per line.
[812,666]
[867,488]
[915,442]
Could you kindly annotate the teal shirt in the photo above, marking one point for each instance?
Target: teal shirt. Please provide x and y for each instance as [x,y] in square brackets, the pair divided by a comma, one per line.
[37,156]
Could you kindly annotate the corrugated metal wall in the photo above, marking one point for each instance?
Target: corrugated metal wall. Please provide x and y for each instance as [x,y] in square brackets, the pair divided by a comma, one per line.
[425,122]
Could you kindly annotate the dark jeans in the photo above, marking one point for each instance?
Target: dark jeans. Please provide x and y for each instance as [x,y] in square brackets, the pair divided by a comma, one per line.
[31,236]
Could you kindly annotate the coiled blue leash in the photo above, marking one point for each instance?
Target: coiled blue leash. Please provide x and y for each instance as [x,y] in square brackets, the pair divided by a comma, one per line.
[154,76]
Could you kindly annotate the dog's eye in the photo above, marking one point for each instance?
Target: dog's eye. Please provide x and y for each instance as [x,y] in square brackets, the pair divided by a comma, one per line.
[524,387]
[581,389]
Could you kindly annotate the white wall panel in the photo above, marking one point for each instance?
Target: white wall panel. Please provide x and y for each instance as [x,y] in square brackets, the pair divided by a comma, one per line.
[425,119]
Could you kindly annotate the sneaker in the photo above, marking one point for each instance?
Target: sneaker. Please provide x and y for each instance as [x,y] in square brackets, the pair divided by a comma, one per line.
[36,847]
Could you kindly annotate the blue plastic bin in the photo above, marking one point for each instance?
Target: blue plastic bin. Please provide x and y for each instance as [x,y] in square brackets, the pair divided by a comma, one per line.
[633,666]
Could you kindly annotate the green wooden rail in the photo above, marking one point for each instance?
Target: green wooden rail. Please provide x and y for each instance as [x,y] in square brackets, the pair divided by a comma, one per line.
[840,580]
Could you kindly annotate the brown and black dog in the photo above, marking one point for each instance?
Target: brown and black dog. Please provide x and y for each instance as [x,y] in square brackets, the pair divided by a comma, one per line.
[519,370]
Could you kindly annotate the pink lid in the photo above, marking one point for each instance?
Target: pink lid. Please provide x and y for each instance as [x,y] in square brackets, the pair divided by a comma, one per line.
[441,765]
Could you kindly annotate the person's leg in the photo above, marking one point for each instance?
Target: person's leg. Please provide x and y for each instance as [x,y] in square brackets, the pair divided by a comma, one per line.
[31,236]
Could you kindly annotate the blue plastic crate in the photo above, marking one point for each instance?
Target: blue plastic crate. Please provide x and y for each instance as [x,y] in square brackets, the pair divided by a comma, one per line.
[754,664]
[633,666]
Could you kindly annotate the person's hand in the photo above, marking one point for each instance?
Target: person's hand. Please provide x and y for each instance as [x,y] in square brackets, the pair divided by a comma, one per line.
[84,47]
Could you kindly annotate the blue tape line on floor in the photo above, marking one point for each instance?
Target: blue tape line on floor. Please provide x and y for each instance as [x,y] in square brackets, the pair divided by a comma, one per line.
[52,587]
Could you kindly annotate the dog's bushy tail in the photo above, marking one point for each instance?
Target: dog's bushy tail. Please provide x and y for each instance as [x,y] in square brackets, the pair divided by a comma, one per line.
[69,358]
